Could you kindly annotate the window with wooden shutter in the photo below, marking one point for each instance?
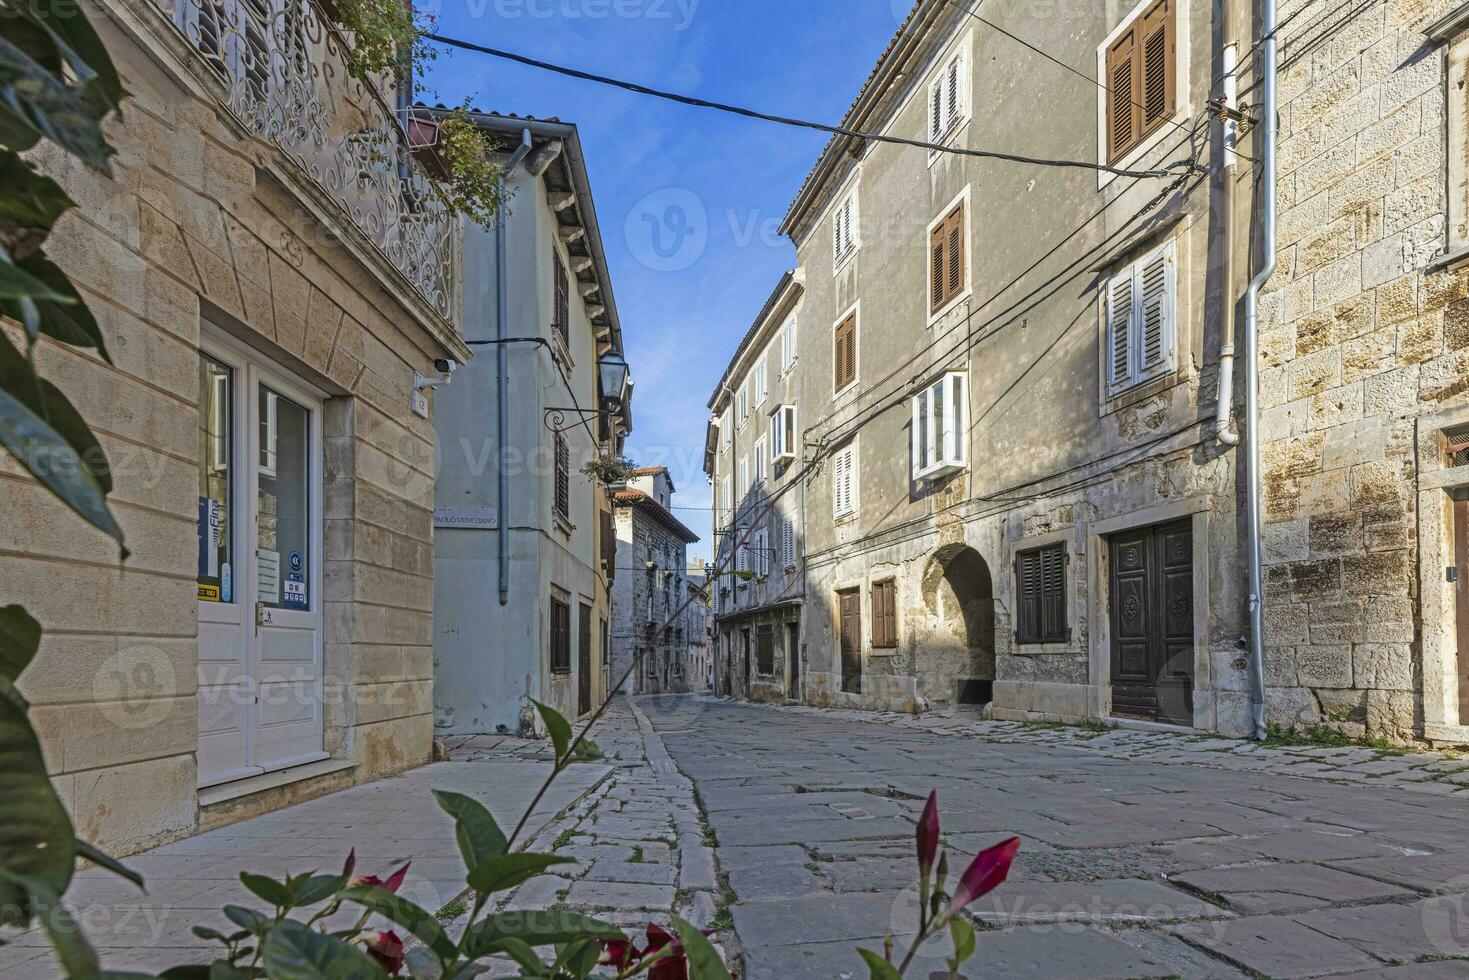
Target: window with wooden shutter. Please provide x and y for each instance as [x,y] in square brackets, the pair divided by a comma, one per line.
[1040,595]
[563,478]
[946,101]
[939,429]
[844,353]
[844,496]
[1141,78]
[561,305]
[788,543]
[946,272]
[844,230]
[885,614]
[560,636]
[1141,311]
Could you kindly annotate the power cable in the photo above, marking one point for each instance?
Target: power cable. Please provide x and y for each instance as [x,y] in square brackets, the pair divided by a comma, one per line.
[788,120]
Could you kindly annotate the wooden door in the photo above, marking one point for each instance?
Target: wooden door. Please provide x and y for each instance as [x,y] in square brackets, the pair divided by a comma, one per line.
[1461,596]
[1152,623]
[793,659]
[850,610]
[584,661]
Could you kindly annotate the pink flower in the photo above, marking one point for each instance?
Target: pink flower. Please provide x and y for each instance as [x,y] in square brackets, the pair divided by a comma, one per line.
[387,949]
[985,873]
[928,834]
[621,953]
[393,882]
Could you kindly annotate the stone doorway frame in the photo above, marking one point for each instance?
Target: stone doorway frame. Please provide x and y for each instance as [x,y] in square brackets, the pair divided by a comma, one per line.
[1099,592]
[1437,603]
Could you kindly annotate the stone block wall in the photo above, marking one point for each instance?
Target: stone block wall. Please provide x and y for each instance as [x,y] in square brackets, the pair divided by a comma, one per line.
[1361,340]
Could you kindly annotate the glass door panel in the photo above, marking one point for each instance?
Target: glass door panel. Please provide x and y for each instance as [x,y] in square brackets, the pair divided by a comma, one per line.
[216,496]
[283,499]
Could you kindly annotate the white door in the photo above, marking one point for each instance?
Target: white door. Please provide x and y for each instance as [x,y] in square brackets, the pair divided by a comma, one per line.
[259,573]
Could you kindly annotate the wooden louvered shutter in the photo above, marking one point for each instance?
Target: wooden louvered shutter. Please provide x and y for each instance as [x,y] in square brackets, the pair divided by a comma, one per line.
[1027,597]
[1124,117]
[936,110]
[1156,314]
[1119,330]
[1156,79]
[1053,594]
[954,231]
[845,353]
[937,249]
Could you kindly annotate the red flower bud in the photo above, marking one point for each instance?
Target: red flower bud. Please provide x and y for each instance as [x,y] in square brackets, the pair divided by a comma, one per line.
[349,864]
[392,884]
[985,873]
[387,949]
[928,834]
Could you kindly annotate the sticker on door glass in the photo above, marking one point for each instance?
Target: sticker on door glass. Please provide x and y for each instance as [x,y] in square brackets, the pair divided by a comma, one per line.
[295,590]
[209,537]
[267,575]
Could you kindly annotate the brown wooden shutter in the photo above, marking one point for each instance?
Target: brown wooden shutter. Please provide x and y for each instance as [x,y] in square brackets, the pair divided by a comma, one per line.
[885,614]
[946,258]
[1053,594]
[1027,597]
[954,231]
[1040,595]
[563,477]
[561,310]
[1157,77]
[1124,121]
[845,353]
[937,248]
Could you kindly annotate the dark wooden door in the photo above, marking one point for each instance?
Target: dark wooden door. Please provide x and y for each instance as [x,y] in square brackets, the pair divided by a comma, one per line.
[1153,623]
[1461,597]
[850,609]
[793,658]
[584,661]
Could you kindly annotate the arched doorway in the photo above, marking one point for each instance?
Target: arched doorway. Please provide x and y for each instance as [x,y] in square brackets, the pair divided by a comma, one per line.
[957,665]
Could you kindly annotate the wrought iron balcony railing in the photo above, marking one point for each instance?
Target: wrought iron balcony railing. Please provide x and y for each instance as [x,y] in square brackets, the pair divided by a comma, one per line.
[283,65]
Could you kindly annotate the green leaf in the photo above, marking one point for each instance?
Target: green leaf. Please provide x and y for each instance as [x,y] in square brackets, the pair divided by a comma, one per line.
[208,934]
[20,637]
[543,928]
[508,870]
[877,967]
[31,200]
[34,104]
[293,952]
[316,888]
[523,955]
[480,837]
[16,283]
[105,860]
[67,320]
[83,49]
[962,933]
[36,842]
[47,436]
[423,964]
[404,913]
[704,961]
[268,889]
[77,957]
[586,751]
[579,959]
[247,919]
[556,726]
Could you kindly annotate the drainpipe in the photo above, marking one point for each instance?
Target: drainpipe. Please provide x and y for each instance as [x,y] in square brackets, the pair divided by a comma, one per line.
[502,374]
[1252,364]
[1224,429]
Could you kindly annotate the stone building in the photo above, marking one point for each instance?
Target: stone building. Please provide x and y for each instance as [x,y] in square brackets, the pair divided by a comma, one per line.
[753,456]
[522,599]
[1365,375]
[701,677]
[649,616]
[269,294]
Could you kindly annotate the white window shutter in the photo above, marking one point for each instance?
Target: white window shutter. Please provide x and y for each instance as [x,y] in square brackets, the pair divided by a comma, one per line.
[1156,314]
[916,435]
[788,542]
[952,105]
[958,416]
[1119,330]
[935,110]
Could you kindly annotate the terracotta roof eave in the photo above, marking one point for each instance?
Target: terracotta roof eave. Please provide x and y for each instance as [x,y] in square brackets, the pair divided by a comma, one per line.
[636,498]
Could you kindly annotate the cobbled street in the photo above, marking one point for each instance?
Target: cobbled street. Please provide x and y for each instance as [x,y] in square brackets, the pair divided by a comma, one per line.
[1145,854]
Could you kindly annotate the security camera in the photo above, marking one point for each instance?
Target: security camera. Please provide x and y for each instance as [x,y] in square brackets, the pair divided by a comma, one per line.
[445,365]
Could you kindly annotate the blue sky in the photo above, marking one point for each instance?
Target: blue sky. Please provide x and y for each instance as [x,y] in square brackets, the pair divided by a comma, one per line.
[688,199]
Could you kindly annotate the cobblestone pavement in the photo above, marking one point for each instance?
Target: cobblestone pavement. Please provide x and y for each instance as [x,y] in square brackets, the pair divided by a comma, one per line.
[1145,854]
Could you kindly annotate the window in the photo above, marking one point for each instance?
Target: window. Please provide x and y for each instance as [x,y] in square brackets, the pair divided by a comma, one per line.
[1040,595]
[760,545]
[744,475]
[742,551]
[844,353]
[1141,82]
[844,230]
[560,635]
[946,273]
[765,649]
[946,100]
[762,382]
[885,614]
[1140,320]
[726,428]
[759,459]
[726,495]
[788,543]
[788,345]
[783,433]
[844,467]
[939,431]
[742,402]
[563,478]
[561,309]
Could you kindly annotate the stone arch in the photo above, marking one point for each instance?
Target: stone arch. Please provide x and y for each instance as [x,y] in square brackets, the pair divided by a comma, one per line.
[957,665]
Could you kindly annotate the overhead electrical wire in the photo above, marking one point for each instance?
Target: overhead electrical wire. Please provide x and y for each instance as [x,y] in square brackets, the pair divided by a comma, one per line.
[690,100]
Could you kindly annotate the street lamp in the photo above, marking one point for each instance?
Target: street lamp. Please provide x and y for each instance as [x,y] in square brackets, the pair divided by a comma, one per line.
[612,377]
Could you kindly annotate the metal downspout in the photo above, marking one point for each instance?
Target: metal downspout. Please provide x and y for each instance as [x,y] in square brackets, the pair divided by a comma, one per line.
[502,372]
[1252,363]
[1224,429]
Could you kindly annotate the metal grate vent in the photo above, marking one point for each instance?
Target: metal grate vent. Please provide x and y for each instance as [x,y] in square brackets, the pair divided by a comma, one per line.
[1457,445]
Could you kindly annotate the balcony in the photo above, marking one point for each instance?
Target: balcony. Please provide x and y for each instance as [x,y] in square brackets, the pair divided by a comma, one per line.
[282,67]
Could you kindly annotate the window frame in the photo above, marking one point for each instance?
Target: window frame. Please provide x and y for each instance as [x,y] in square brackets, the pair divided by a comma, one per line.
[788,542]
[846,214]
[758,472]
[1139,374]
[560,635]
[849,454]
[783,433]
[955,428]
[788,352]
[884,618]
[959,93]
[1177,77]
[760,379]
[560,301]
[965,288]
[1040,637]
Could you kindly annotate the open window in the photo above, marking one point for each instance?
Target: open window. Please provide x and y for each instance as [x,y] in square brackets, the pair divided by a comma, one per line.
[844,230]
[939,427]
[783,434]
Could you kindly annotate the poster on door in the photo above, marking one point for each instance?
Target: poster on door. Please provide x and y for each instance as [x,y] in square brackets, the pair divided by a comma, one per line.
[295,594]
[267,575]
[208,525]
